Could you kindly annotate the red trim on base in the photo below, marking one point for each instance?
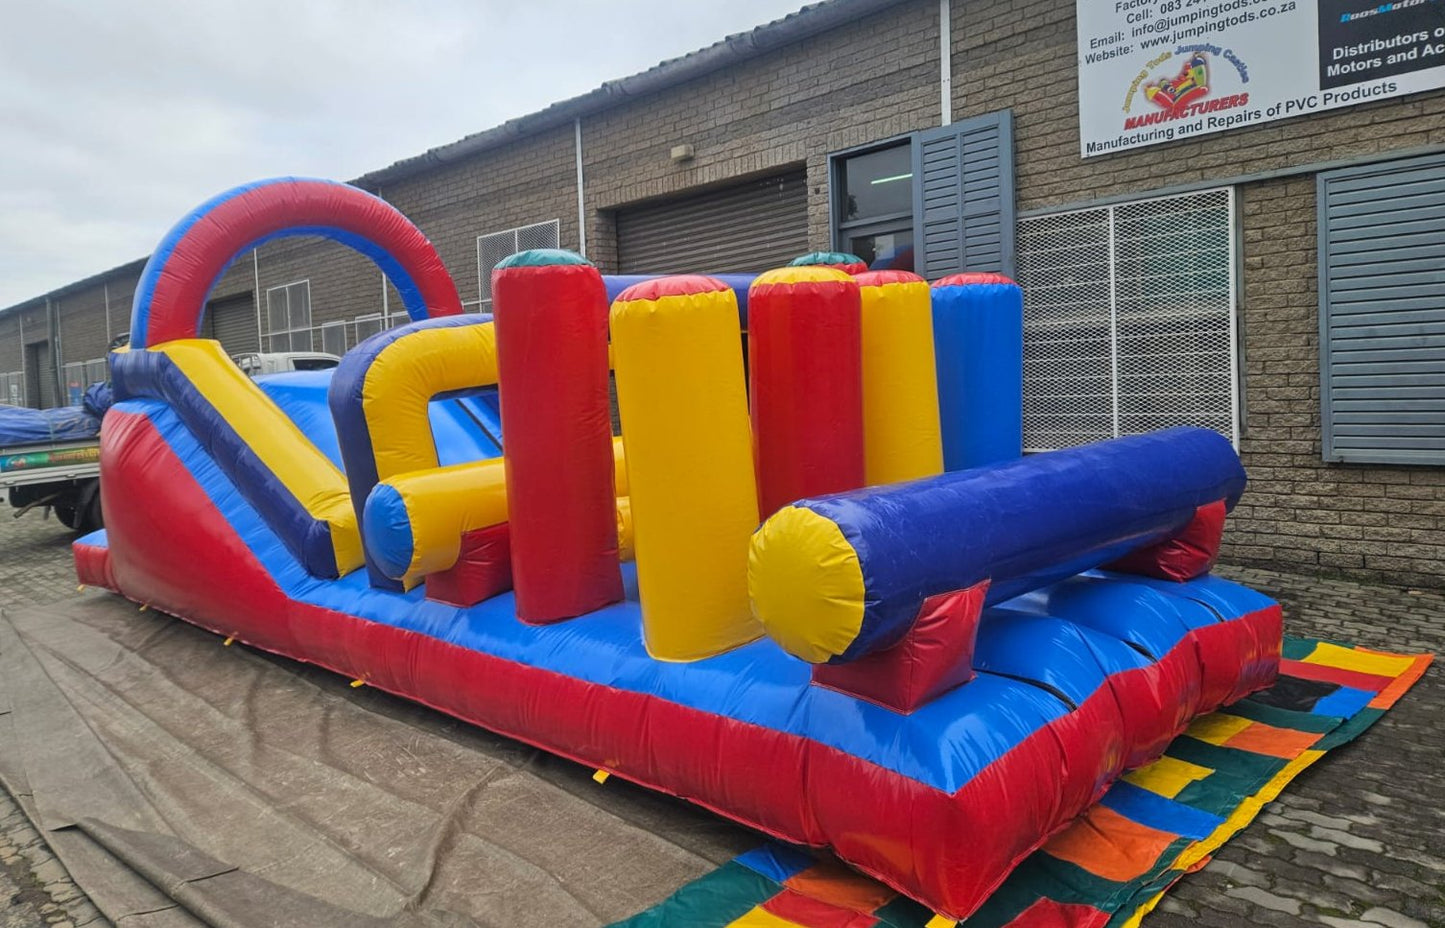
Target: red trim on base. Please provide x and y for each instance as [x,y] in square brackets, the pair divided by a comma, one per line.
[1188,555]
[92,566]
[551,326]
[948,851]
[934,657]
[483,569]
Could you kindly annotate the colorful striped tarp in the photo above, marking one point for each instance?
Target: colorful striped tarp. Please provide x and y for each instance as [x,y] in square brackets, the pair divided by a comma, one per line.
[1116,861]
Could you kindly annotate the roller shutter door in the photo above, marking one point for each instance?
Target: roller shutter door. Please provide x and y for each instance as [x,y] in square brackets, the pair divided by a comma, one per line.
[752,226]
[232,322]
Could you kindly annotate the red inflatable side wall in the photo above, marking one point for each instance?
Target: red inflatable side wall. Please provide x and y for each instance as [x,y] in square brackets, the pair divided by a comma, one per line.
[551,324]
[805,360]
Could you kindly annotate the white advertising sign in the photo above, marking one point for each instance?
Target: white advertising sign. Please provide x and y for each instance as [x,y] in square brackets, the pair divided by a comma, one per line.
[1152,71]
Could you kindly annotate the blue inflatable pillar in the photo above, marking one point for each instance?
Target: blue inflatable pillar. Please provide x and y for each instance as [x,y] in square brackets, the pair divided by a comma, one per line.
[978,338]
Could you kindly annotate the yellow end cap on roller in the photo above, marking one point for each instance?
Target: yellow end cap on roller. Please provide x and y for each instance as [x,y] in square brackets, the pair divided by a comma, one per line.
[806,584]
[688,458]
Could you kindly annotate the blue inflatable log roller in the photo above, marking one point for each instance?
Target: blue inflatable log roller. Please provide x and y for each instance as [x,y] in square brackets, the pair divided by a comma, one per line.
[978,338]
[839,577]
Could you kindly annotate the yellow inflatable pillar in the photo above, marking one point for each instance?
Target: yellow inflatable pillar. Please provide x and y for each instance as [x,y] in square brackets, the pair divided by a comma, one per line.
[901,434]
[684,407]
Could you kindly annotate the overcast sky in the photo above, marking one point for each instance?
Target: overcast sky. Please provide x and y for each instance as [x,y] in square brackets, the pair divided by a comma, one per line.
[118,116]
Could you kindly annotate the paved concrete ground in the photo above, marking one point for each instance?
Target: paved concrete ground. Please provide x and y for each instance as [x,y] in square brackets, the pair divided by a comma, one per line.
[1358,840]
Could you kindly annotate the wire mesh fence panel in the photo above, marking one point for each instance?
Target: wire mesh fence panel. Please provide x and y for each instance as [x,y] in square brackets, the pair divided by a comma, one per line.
[367,326]
[494,246]
[1065,271]
[538,235]
[1129,321]
[333,338]
[288,318]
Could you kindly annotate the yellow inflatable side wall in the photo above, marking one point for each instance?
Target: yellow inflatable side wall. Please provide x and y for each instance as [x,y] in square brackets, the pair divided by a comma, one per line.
[901,434]
[297,463]
[684,409]
[403,379]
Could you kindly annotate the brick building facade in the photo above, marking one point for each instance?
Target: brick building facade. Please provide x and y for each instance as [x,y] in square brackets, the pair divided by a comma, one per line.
[787,102]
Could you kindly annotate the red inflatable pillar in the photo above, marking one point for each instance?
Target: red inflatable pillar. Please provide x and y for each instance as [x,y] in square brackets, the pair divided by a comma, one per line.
[551,323]
[805,350]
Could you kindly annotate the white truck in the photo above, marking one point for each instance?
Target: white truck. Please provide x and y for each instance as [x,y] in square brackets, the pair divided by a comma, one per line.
[256,363]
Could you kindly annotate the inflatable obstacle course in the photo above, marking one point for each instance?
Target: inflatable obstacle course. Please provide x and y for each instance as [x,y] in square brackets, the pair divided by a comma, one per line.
[847,582]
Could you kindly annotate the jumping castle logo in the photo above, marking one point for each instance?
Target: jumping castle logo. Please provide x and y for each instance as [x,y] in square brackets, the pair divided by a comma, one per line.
[1191,84]
[1182,90]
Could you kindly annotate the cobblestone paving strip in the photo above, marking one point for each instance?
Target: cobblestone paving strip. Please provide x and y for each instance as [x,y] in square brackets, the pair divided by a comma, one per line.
[35,889]
[1358,841]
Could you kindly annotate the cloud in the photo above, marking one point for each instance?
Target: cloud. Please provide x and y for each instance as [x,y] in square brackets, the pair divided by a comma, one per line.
[118,117]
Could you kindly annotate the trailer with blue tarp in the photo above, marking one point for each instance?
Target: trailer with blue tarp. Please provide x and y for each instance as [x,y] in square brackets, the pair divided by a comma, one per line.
[51,458]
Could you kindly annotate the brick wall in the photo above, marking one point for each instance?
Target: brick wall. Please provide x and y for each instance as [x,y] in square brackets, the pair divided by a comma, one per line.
[10,352]
[853,85]
[530,181]
[121,290]
[1371,522]
[83,335]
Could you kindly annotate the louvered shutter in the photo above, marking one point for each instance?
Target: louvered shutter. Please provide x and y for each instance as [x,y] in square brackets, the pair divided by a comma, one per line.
[1382,312]
[963,211]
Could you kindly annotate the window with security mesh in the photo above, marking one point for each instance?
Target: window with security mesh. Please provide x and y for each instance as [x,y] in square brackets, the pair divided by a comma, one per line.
[288,317]
[12,388]
[492,248]
[73,373]
[1129,319]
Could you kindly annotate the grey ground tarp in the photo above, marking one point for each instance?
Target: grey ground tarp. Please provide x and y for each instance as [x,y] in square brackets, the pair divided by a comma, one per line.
[185,783]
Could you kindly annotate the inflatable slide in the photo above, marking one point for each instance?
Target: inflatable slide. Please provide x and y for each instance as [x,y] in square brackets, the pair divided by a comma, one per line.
[813,586]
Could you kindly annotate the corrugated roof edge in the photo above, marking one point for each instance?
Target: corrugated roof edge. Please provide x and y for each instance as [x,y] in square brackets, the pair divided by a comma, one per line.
[810,20]
[135,267]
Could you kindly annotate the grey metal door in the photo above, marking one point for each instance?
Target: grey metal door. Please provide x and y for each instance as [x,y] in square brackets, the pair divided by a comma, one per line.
[232,322]
[40,374]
